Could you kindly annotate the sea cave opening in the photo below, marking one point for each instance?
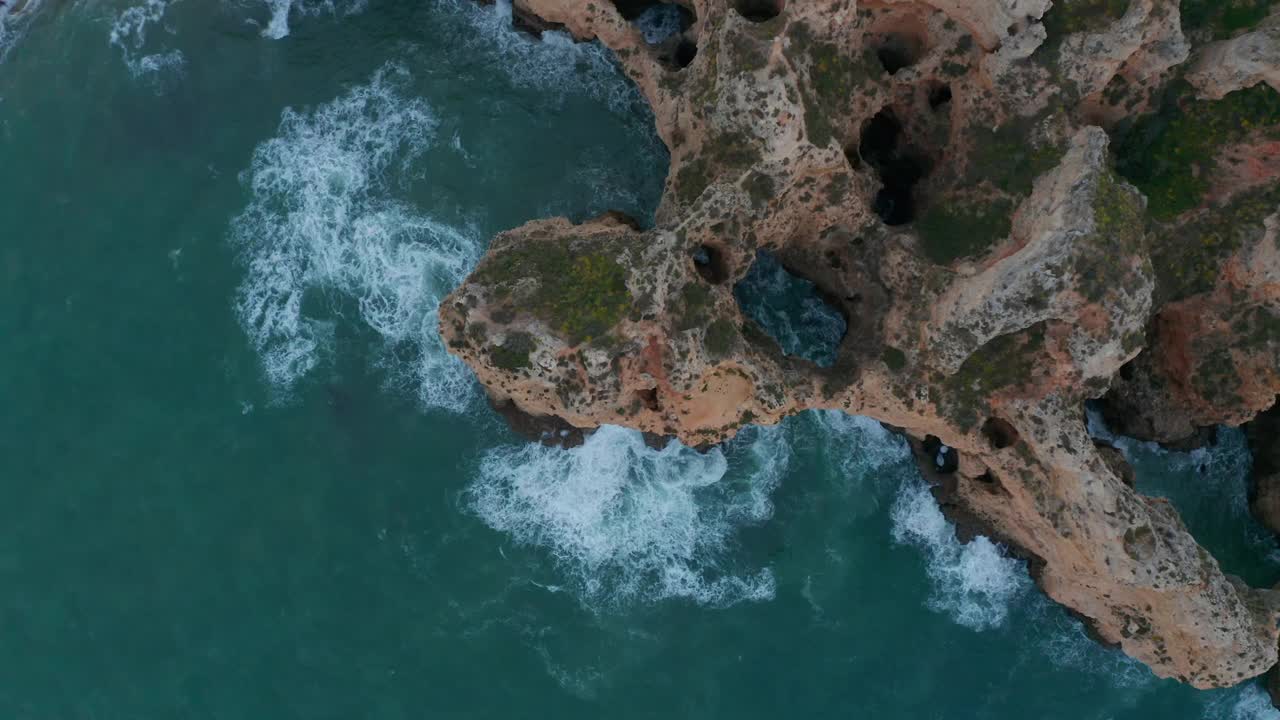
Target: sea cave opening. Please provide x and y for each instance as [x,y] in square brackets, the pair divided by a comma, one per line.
[791,310]
[666,28]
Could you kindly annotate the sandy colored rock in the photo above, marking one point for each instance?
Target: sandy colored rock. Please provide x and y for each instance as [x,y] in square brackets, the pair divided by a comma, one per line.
[935,170]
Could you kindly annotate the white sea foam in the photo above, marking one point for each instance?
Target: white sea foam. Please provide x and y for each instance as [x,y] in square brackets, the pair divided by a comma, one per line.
[323,222]
[556,64]
[974,583]
[15,17]
[1247,702]
[1063,641]
[862,444]
[129,34]
[278,26]
[629,523]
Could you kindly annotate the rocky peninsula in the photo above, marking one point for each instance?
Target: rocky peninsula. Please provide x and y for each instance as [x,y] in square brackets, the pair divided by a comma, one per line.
[1017,206]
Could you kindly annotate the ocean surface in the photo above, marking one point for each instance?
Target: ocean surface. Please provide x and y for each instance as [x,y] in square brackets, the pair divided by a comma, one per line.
[241,478]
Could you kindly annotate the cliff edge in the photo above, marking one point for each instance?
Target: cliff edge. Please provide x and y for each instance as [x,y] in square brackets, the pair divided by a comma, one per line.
[1017,206]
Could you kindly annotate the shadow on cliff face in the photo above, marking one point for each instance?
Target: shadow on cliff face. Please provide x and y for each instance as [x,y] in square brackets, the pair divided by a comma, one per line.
[900,168]
[758,11]
[791,310]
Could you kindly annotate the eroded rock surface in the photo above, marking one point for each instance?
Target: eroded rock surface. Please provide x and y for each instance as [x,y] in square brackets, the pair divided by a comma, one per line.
[963,181]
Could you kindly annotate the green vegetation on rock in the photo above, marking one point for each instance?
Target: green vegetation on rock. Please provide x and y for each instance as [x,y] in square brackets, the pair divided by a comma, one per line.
[1003,362]
[1170,154]
[834,77]
[1009,158]
[729,152]
[952,230]
[695,301]
[1222,18]
[580,293]
[894,358]
[1072,16]
[1120,231]
[722,336]
[1189,258]
[513,353]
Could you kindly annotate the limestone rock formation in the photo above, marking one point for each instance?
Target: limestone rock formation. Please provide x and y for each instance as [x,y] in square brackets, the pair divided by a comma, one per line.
[1016,206]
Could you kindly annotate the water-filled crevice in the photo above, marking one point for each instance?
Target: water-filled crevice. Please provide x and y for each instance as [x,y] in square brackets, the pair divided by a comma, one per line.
[1209,488]
[758,10]
[791,310]
[666,26]
[900,168]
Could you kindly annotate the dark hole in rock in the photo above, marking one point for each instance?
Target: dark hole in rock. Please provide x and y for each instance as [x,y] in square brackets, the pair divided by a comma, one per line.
[945,459]
[999,433]
[851,154]
[758,10]
[1013,30]
[791,310]
[649,397]
[898,167]
[709,264]
[897,52]
[986,478]
[1126,371]
[686,51]
[939,96]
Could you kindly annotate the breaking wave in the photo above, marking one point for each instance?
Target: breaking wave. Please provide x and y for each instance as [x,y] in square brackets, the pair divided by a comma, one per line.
[629,523]
[323,222]
[1247,702]
[14,19]
[129,34]
[975,583]
[555,65]
[278,26]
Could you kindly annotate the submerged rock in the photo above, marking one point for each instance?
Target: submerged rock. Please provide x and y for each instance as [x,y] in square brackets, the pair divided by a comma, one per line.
[955,179]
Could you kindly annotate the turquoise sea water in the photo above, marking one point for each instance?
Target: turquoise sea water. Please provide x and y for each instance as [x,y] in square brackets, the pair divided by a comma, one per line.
[241,479]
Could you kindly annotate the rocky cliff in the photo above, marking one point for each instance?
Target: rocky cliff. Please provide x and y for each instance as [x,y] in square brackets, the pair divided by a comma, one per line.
[1017,206]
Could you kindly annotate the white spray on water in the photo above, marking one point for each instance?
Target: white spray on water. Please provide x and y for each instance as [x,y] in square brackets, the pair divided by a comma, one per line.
[630,523]
[129,34]
[323,221]
[278,25]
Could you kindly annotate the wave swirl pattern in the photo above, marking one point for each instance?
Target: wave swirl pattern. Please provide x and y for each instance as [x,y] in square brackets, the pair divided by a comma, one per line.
[629,523]
[324,222]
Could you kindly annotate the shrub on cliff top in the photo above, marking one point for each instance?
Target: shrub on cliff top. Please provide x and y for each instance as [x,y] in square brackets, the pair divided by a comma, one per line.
[580,293]
[1170,154]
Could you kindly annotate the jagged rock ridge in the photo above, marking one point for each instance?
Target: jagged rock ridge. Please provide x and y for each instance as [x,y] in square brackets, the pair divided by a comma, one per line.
[1017,208]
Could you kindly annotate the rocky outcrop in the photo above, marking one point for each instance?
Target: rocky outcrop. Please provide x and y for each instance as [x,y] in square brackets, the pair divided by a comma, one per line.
[938,171]
[1226,66]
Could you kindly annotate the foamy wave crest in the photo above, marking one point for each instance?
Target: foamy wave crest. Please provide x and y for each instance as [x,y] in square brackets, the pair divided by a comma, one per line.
[1247,702]
[1064,642]
[322,221]
[974,583]
[630,523]
[129,34]
[15,16]
[278,26]
[864,443]
[555,64]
